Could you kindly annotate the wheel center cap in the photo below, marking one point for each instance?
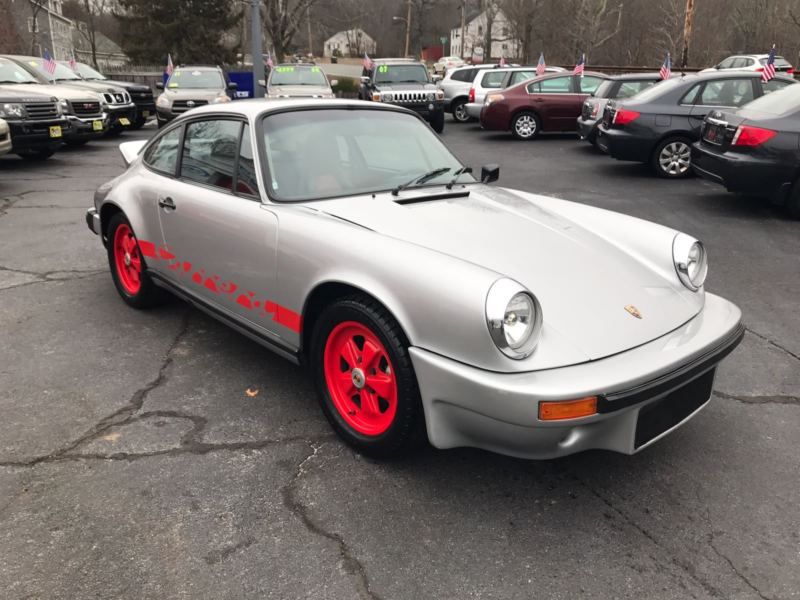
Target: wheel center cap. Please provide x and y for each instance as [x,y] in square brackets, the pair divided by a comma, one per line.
[127,259]
[358,378]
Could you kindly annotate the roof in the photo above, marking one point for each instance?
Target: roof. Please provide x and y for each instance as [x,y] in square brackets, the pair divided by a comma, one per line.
[254,107]
[636,76]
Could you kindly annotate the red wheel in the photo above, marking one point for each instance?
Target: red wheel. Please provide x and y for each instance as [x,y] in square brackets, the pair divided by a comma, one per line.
[360,378]
[128,266]
[359,359]
[128,259]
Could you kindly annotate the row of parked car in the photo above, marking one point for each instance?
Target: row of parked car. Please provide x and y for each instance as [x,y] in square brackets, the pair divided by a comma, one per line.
[724,124]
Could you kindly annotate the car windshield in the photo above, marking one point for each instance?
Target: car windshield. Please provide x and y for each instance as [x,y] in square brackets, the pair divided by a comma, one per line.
[12,73]
[401,74]
[781,102]
[297,75]
[664,87]
[325,153]
[61,73]
[88,72]
[193,79]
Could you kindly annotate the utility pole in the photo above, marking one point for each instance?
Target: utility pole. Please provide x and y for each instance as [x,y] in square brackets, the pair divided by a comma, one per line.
[408,28]
[463,26]
[687,33]
[257,49]
[310,41]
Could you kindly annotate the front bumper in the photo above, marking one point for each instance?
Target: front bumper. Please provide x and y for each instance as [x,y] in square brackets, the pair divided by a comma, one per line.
[93,220]
[87,127]
[668,378]
[587,128]
[118,115]
[742,173]
[5,138]
[36,135]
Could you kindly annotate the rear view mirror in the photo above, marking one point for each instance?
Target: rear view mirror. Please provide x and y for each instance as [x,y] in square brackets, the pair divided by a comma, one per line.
[490,173]
[159,85]
[130,150]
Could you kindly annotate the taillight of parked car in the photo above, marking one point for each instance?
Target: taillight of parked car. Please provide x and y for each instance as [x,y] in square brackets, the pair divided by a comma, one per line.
[472,95]
[747,135]
[623,116]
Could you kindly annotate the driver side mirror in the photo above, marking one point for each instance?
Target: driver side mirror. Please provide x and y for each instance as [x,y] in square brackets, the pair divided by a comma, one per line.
[364,79]
[490,173]
[159,85]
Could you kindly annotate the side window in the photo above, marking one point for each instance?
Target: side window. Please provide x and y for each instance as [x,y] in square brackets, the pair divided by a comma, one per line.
[209,152]
[738,63]
[749,62]
[463,75]
[589,84]
[556,85]
[493,80]
[246,183]
[163,154]
[690,96]
[727,63]
[631,88]
[727,92]
[773,85]
[520,76]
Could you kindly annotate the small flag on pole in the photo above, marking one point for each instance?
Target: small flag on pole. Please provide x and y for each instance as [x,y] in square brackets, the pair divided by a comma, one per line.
[73,64]
[367,62]
[502,62]
[49,62]
[541,67]
[579,67]
[768,72]
[170,66]
[269,63]
[666,68]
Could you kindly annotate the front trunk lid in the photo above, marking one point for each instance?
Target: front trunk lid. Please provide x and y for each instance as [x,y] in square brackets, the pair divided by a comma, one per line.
[583,282]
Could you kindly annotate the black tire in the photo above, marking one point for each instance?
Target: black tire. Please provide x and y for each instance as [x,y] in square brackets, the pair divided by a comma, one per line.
[74,143]
[36,155]
[406,432]
[437,122]
[526,125]
[793,201]
[459,111]
[671,158]
[148,294]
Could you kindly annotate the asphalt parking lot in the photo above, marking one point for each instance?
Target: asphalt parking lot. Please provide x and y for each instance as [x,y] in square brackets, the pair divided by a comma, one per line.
[160,455]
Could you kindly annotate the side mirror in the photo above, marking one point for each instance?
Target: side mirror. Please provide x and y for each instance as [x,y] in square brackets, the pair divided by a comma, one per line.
[334,82]
[364,79]
[130,150]
[159,85]
[490,173]
[232,85]
[436,78]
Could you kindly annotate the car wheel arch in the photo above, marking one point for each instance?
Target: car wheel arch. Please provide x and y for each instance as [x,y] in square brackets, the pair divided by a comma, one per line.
[107,212]
[325,293]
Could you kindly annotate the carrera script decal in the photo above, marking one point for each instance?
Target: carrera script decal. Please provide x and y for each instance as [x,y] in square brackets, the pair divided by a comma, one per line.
[214,284]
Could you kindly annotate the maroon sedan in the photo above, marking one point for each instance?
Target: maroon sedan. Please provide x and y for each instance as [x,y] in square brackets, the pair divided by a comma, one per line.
[551,102]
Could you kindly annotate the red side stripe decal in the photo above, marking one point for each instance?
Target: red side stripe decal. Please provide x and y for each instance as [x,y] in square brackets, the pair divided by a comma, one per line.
[280,314]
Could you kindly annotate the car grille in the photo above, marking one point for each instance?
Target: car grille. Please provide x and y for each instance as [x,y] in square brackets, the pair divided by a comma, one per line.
[183,105]
[86,109]
[41,110]
[142,96]
[120,98]
[411,97]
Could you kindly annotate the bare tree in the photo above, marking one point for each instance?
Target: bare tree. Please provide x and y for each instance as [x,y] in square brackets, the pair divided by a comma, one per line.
[36,7]
[284,19]
[596,23]
[92,10]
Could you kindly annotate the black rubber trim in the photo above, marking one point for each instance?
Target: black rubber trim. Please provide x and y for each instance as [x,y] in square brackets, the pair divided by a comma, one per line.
[618,400]
[432,197]
[267,342]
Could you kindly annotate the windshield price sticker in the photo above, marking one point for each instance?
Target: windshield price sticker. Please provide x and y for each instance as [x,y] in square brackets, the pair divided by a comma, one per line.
[315,69]
[173,85]
[383,69]
[284,69]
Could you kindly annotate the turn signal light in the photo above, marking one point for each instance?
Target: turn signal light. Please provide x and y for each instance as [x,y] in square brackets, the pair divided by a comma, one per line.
[376,97]
[623,116]
[747,135]
[567,409]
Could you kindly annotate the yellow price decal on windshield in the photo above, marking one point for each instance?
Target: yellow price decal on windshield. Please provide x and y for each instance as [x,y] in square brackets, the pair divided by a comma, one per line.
[383,69]
[284,69]
[315,69]
[173,85]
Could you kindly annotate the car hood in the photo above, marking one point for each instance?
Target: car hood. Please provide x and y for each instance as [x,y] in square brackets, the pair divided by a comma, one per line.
[62,92]
[193,94]
[402,87]
[94,86]
[129,85]
[583,281]
[300,91]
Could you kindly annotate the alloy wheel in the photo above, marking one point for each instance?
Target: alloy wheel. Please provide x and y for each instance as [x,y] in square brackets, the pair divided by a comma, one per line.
[674,158]
[525,126]
[127,259]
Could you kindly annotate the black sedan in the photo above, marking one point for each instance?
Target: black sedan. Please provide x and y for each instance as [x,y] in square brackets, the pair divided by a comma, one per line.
[756,149]
[618,87]
[659,125]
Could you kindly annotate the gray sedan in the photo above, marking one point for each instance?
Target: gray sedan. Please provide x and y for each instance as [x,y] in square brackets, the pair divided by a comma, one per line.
[425,303]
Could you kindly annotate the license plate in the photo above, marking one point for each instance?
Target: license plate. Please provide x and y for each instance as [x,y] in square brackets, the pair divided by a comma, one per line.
[55,131]
[124,121]
[145,113]
[97,125]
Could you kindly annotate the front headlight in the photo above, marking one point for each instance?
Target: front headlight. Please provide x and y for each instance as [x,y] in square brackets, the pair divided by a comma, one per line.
[163,101]
[12,111]
[221,98]
[514,318]
[388,97]
[691,261]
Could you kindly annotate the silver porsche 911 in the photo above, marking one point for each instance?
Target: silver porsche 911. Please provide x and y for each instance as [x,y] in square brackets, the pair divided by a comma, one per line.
[425,303]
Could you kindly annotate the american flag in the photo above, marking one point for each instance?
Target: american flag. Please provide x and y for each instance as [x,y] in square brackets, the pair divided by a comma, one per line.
[73,64]
[541,67]
[269,63]
[768,72]
[578,70]
[367,62]
[502,62]
[666,68]
[49,62]
[170,67]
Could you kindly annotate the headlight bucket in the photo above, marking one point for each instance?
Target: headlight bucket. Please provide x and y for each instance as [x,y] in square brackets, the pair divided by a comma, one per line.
[691,261]
[12,111]
[514,318]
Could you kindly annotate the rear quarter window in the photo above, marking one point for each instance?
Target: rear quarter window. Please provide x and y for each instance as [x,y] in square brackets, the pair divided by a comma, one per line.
[631,88]
[466,75]
[493,80]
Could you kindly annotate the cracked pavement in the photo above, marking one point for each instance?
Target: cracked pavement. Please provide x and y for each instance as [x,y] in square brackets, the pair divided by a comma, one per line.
[135,464]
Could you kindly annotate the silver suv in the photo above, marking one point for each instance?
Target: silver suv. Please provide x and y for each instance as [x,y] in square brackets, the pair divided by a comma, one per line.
[189,87]
[455,85]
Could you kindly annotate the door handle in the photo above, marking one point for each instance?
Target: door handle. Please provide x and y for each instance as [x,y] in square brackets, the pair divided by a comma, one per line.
[167,203]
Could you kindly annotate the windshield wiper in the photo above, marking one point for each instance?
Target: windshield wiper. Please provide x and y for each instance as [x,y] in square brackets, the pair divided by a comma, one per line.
[68,79]
[456,175]
[420,179]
